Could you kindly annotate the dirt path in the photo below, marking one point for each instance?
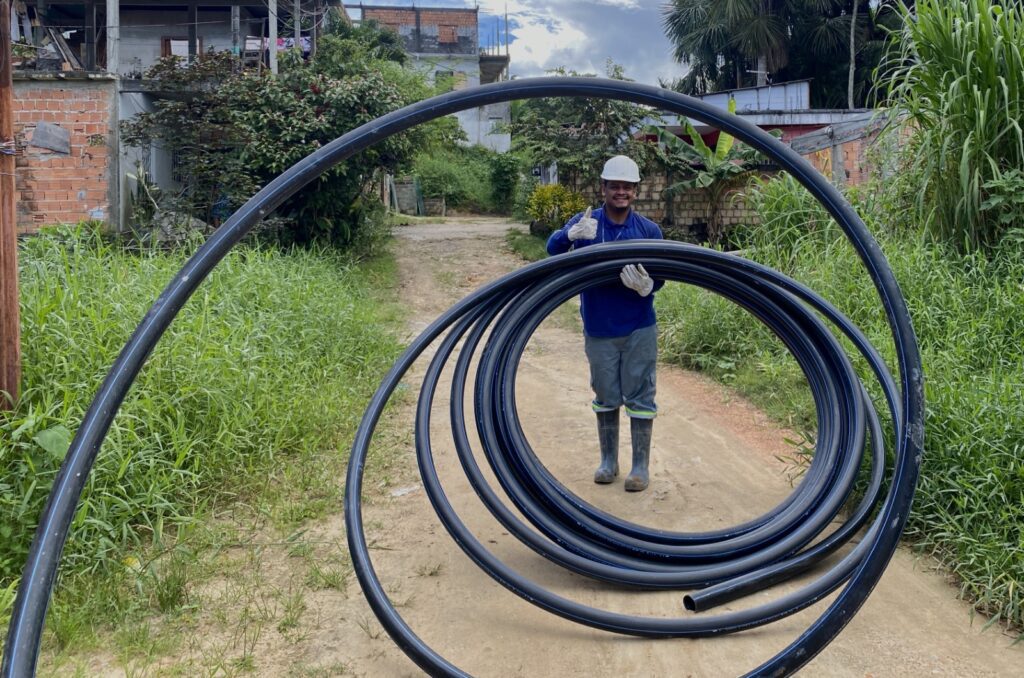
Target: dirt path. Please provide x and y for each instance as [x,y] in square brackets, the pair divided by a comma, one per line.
[713,464]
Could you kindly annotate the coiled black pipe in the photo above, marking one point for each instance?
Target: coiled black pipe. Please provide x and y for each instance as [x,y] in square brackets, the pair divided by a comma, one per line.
[848,412]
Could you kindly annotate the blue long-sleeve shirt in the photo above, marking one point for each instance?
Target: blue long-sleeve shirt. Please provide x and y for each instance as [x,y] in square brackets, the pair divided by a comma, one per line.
[611,310]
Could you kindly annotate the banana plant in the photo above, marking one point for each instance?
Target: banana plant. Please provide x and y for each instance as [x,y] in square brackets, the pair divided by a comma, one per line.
[714,171]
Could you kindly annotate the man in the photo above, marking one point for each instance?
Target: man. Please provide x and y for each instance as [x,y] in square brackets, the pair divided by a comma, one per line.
[619,328]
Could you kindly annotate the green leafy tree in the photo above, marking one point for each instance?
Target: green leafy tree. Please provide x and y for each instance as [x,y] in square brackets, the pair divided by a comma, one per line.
[232,133]
[578,133]
[736,43]
[307,106]
[713,171]
[195,126]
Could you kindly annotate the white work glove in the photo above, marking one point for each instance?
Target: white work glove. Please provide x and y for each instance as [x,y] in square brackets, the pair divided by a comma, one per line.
[584,229]
[636,279]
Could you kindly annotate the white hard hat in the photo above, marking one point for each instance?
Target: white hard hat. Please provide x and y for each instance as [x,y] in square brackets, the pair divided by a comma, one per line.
[620,168]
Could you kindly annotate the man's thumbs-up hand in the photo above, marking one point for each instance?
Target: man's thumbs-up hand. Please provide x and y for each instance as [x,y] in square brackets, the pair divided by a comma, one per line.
[585,228]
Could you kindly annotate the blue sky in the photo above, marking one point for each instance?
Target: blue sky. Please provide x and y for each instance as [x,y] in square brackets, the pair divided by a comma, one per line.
[578,34]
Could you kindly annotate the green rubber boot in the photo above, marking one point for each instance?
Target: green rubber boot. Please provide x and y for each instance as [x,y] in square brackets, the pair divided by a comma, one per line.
[640,431]
[608,435]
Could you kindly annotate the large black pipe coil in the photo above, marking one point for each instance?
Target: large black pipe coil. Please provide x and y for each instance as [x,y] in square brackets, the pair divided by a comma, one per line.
[717,566]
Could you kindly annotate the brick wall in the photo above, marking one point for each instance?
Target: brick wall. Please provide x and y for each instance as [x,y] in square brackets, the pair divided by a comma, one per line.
[398,16]
[849,158]
[55,187]
[430,31]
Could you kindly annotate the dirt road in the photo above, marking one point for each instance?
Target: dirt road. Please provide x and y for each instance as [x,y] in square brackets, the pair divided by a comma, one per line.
[713,464]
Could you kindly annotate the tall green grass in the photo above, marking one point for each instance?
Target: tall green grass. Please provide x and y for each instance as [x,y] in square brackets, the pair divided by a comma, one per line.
[956,71]
[969,509]
[268,366]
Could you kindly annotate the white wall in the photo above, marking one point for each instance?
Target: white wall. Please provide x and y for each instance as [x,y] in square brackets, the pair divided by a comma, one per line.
[142,34]
[477,123]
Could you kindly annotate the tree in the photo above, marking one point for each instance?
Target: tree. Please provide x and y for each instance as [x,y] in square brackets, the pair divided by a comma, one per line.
[713,171]
[233,133]
[738,32]
[722,41]
[578,133]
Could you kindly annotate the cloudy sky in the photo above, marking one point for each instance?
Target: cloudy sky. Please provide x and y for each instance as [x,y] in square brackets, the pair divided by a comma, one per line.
[578,34]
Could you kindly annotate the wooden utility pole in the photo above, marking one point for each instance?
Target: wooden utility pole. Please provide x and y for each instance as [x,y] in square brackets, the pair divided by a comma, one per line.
[10,341]
[90,35]
[193,33]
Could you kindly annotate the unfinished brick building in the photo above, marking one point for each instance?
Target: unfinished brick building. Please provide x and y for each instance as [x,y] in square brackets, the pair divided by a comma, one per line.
[444,44]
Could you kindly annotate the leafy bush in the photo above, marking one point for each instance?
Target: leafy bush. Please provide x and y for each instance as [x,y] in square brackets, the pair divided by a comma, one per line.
[237,132]
[957,72]
[472,178]
[713,171]
[970,501]
[551,205]
[267,365]
[504,180]
[459,175]
[520,201]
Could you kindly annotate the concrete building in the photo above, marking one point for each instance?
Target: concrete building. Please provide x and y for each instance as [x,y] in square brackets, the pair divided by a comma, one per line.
[445,46]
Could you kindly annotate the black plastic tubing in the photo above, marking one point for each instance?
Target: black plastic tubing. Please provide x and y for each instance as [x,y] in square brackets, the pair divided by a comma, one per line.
[847,410]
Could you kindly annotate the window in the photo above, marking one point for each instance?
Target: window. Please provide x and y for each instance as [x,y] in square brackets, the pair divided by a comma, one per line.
[178,47]
[446,35]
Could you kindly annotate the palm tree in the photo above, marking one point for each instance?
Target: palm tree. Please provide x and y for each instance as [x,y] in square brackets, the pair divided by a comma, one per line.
[719,38]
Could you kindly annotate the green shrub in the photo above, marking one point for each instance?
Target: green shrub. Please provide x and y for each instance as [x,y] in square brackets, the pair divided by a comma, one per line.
[970,502]
[551,205]
[466,177]
[236,132]
[521,199]
[268,365]
[504,181]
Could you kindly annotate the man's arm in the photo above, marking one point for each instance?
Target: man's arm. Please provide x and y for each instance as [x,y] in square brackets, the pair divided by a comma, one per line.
[558,242]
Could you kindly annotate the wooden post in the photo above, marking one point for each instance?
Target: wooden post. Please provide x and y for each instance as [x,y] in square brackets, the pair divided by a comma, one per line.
[297,20]
[40,30]
[314,32]
[10,342]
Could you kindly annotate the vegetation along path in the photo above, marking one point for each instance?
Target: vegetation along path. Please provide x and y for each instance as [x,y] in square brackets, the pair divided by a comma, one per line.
[296,610]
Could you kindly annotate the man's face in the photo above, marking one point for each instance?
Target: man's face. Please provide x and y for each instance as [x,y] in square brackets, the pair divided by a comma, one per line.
[618,194]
